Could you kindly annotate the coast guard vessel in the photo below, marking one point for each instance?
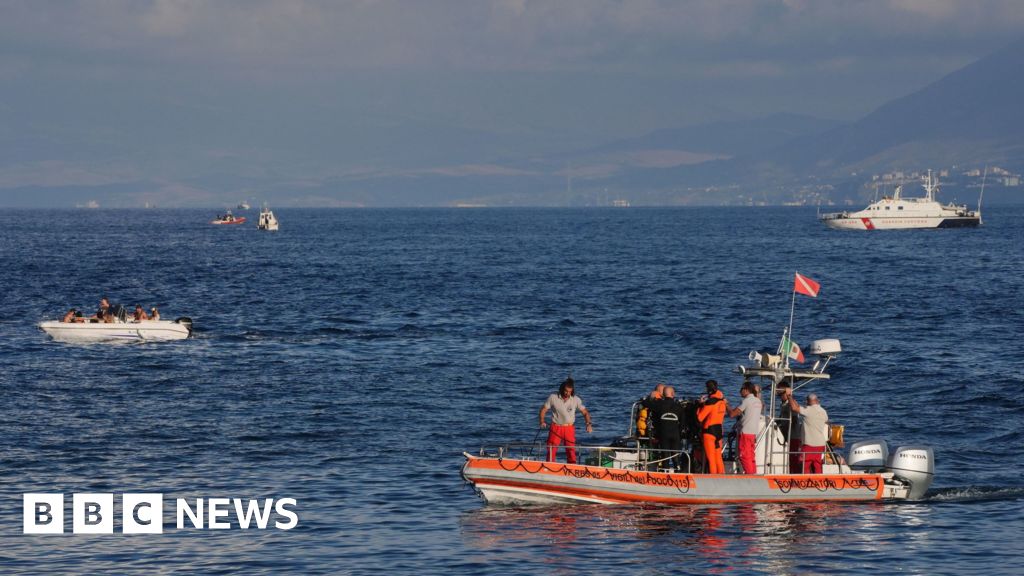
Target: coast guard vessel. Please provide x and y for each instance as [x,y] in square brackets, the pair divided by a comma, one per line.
[631,469]
[899,212]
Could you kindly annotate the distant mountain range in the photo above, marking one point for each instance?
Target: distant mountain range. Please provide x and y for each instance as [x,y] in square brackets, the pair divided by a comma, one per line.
[971,118]
[734,138]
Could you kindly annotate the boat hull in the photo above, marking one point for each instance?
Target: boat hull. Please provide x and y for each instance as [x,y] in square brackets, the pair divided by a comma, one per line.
[228,222]
[901,223]
[145,331]
[509,481]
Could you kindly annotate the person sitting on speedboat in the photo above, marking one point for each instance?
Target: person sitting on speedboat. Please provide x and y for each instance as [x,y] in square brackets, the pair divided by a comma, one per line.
[69,317]
[154,314]
[140,314]
[102,312]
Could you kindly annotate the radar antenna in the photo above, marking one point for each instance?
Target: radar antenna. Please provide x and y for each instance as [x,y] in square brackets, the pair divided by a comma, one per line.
[930,186]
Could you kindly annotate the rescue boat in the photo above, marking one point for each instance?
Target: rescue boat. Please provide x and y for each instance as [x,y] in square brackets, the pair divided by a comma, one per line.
[632,469]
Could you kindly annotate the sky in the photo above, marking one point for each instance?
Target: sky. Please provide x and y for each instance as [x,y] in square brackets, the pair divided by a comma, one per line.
[178,102]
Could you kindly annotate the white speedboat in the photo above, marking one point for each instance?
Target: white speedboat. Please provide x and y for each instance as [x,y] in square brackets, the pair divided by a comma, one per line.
[898,212]
[119,330]
[267,220]
[632,469]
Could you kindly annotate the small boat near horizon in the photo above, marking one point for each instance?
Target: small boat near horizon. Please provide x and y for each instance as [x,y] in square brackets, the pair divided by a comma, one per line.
[898,212]
[228,219]
[243,205]
[267,220]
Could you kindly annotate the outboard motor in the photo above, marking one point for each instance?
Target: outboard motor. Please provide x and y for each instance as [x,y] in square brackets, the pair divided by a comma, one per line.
[868,454]
[186,322]
[916,465]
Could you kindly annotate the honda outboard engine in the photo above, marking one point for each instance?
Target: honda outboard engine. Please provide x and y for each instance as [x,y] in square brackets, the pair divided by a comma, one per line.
[868,454]
[916,465]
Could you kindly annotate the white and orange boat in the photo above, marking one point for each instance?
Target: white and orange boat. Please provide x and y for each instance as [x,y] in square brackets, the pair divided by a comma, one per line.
[630,470]
[228,219]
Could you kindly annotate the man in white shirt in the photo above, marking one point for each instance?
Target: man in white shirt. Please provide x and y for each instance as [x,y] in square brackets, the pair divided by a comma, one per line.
[563,408]
[749,412]
[814,428]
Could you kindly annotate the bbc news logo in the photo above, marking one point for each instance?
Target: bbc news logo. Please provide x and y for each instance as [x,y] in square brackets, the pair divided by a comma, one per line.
[144,513]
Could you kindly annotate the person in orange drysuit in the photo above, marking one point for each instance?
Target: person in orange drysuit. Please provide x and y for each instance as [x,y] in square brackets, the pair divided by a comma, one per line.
[711,414]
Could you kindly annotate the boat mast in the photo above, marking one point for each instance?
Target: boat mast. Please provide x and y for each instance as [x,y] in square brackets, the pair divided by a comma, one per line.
[983,176]
[930,187]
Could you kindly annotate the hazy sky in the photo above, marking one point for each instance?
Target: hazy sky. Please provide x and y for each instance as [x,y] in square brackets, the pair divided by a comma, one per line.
[201,99]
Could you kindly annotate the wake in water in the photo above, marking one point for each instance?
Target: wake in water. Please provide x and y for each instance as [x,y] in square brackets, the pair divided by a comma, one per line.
[975,494]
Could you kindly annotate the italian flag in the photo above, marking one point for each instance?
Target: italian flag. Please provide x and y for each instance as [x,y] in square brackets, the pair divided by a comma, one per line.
[789,348]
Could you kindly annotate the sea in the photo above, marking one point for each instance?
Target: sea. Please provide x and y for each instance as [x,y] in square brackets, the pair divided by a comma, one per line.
[348,360]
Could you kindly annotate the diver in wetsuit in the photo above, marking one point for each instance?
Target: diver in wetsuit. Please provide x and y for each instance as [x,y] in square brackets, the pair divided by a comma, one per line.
[666,414]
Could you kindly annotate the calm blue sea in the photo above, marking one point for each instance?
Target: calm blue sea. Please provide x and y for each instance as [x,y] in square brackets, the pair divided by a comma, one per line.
[348,360]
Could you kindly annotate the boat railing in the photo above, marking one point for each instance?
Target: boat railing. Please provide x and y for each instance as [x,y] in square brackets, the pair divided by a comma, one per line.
[634,457]
[644,458]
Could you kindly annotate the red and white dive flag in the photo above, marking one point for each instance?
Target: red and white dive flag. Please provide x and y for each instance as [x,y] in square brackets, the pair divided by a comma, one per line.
[806,286]
[789,348]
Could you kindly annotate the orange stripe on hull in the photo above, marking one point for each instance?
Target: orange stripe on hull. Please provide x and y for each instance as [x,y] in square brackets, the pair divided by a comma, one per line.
[791,488]
[608,496]
[621,498]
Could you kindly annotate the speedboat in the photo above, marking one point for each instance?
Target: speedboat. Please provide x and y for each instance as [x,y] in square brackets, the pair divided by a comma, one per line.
[267,220]
[899,212]
[632,469]
[119,330]
[228,218]
[243,205]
